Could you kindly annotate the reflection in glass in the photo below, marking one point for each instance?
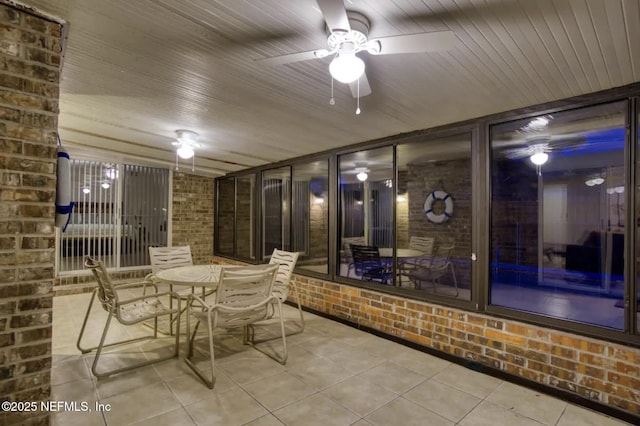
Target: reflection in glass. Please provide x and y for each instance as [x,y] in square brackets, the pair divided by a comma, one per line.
[225,222]
[557,226]
[637,256]
[234,222]
[433,216]
[276,212]
[366,208]
[245,225]
[310,211]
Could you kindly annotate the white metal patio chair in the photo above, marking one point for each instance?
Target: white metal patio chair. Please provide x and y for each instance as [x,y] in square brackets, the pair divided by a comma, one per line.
[129,311]
[283,284]
[243,298]
[422,244]
[163,258]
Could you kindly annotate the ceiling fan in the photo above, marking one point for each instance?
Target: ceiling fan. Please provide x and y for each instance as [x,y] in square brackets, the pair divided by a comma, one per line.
[348,35]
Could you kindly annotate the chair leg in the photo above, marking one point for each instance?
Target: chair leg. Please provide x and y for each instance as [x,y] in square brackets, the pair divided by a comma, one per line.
[283,358]
[455,281]
[210,382]
[297,292]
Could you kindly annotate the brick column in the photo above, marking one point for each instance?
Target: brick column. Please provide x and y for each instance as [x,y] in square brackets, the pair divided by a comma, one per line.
[29,76]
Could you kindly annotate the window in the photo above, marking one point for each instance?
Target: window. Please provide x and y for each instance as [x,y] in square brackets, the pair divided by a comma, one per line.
[365,214]
[120,211]
[310,210]
[558,215]
[434,216]
[276,211]
[235,217]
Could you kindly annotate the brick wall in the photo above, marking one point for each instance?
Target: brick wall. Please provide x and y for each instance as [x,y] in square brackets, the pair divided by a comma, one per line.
[193,215]
[29,76]
[594,369]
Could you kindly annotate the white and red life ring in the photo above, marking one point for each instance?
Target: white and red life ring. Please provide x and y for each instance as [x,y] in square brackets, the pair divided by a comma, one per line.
[64,205]
[448,206]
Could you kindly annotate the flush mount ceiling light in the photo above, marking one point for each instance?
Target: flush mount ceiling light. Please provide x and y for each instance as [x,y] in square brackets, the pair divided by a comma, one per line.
[346,67]
[106,185]
[362,176]
[539,156]
[186,141]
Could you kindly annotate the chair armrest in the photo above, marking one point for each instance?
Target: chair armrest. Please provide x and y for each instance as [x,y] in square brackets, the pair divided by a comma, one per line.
[149,296]
[143,284]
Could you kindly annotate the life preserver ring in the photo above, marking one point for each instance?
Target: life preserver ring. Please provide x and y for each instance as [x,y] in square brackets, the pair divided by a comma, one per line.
[448,206]
[64,205]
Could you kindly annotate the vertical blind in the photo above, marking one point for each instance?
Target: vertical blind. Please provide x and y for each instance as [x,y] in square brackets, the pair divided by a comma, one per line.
[120,211]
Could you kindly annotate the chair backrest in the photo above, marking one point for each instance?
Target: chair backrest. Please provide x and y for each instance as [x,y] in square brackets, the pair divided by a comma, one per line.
[423,244]
[169,257]
[287,262]
[365,258]
[242,294]
[107,295]
[442,257]
[347,241]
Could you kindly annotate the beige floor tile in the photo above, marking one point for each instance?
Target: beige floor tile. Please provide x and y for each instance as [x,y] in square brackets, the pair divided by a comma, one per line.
[277,391]
[579,416]
[320,374]
[529,403]
[68,418]
[335,375]
[316,410]
[69,371]
[126,381]
[403,412]
[235,407]
[423,363]
[189,388]
[466,380]
[490,414]
[266,420]
[443,399]
[355,359]
[77,390]
[394,377]
[178,417]
[360,394]
[139,404]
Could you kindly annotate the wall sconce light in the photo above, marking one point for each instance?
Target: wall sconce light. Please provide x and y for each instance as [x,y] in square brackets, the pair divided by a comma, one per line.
[86,190]
[401,199]
[318,200]
[105,185]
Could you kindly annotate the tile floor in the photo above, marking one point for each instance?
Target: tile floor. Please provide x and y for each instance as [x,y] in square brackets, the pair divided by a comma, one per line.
[335,375]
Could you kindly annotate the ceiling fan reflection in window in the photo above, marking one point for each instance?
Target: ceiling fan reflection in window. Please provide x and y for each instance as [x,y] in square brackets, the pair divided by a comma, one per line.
[348,36]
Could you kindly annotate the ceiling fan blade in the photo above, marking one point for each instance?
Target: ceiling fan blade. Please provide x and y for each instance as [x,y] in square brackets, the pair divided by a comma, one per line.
[287,59]
[365,88]
[416,43]
[335,14]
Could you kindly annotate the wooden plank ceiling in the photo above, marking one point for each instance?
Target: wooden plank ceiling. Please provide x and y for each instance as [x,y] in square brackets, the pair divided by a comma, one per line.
[135,71]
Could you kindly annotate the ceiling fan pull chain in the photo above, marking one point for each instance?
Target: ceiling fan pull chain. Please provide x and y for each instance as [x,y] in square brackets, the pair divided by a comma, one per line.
[332,101]
[193,163]
[176,161]
[358,98]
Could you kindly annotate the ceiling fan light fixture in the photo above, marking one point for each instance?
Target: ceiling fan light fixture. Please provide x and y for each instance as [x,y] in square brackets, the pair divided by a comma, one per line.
[362,176]
[539,158]
[185,151]
[346,67]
